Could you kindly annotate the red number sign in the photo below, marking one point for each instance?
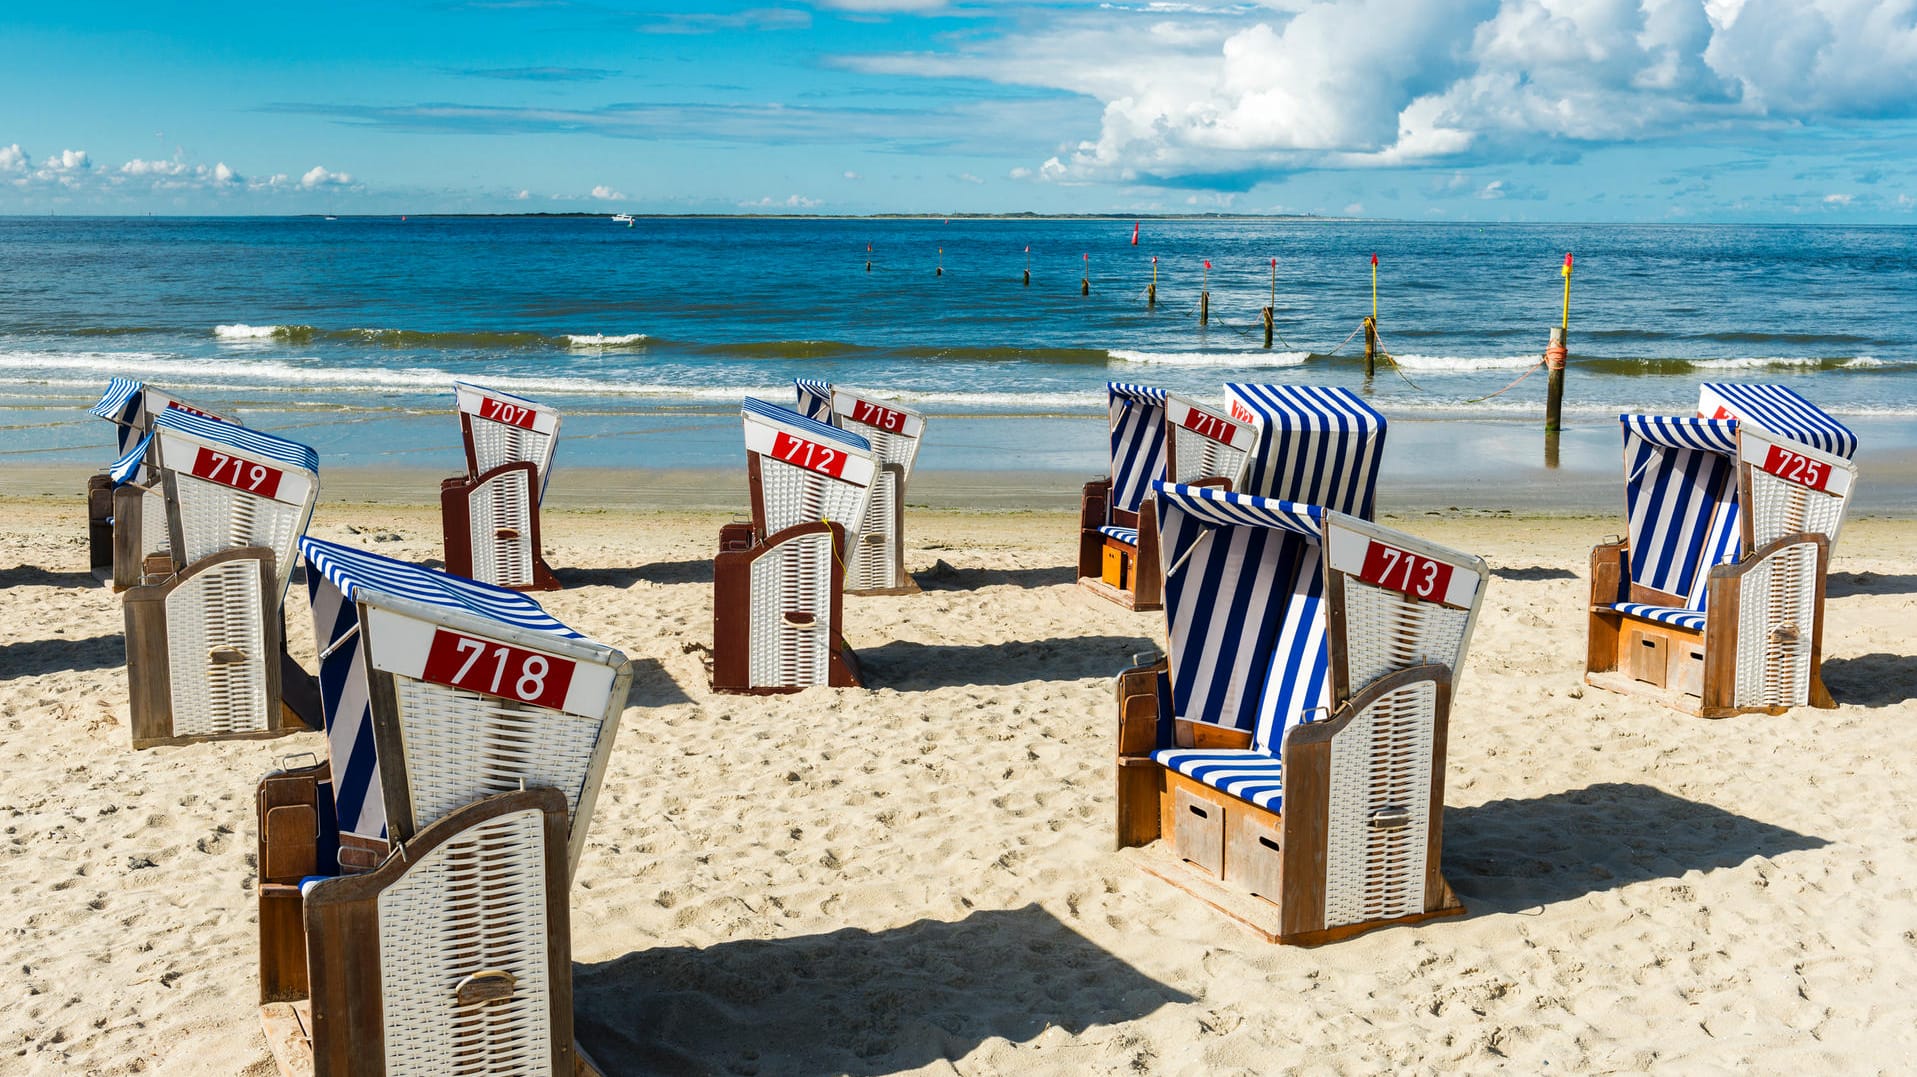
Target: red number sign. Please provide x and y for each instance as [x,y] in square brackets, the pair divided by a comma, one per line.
[808,454]
[1402,570]
[174,405]
[1242,413]
[480,665]
[1210,426]
[237,473]
[1797,468]
[501,412]
[872,415]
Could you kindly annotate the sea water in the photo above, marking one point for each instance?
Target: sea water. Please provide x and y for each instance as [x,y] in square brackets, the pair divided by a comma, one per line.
[348,333]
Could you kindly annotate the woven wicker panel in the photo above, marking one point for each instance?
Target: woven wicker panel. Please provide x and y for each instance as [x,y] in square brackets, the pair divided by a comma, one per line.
[1386,631]
[499,443]
[154,537]
[1776,614]
[1200,457]
[217,610]
[794,578]
[474,904]
[887,447]
[462,745]
[794,495]
[875,564]
[1380,762]
[214,517]
[1780,507]
[503,502]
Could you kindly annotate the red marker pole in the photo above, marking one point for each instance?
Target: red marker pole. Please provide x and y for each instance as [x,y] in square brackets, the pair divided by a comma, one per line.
[1554,356]
[1085,282]
[868,257]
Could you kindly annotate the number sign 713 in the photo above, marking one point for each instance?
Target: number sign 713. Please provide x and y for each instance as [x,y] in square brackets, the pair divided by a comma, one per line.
[1402,570]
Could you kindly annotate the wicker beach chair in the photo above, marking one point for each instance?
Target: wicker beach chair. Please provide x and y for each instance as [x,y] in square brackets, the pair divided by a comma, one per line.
[130,406]
[877,564]
[1290,748]
[453,956]
[205,649]
[490,515]
[779,581]
[1117,525]
[437,690]
[1714,601]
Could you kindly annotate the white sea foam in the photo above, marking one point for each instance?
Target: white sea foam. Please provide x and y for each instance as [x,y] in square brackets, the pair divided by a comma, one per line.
[1462,364]
[247,332]
[1211,359]
[602,340]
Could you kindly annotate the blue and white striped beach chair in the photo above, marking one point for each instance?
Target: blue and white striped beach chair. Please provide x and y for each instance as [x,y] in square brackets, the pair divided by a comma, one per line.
[438,690]
[490,515]
[204,630]
[1290,747]
[1714,601]
[893,431]
[1117,527]
[1318,445]
[130,406]
[779,582]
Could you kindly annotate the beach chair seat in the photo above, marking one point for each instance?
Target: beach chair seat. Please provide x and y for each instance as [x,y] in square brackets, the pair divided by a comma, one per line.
[205,638]
[452,956]
[893,431]
[778,589]
[490,515]
[1284,761]
[1713,602]
[137,516]
[437,690]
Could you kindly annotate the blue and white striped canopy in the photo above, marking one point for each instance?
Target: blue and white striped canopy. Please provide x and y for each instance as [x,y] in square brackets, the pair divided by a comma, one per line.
[815,398]
[1318,445]
[1244,605]
[1780,410]
[357,573]
[120,401]
[253,443]
[810,427]
[1683,432]
[123,470]
[1137,415]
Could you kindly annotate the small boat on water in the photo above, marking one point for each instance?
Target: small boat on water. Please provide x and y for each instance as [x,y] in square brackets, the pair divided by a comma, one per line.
[625,218]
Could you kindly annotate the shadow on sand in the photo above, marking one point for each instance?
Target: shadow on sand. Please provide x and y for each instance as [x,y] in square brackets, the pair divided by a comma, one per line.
[1509,855]
[1534,572]
[944,577]
[853,1001]
[1872,680]
[908,666]
[35,576]
[34,657]
[696,571]
[1847,584]
[653,686]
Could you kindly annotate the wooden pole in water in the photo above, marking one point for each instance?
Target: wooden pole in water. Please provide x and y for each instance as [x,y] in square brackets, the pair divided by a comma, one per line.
[941,269]
[1085,282]
[1371,324]
[1274,303]
[1554,355]
[1028,265]
[868,257]
[1151,290]
[1204,296]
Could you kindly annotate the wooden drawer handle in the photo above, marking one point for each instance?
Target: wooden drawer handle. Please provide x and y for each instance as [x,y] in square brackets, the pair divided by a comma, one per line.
[1389,819]
[506,533]
[490,985]
[873,539]
[800,618]
[1785,633]
[226,656]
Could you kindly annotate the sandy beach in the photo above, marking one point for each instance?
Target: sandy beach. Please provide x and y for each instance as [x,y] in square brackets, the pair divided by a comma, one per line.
[919,877]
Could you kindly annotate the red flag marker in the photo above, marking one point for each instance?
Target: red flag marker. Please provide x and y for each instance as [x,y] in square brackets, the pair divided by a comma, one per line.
[1134,233]
[1028,248]
[1274,263]
[1154,259]
[1374,260]
[1207,263]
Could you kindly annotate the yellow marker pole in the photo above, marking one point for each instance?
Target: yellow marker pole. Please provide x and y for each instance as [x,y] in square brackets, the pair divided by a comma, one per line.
[1566,323]
[1371,324]
[1554,356]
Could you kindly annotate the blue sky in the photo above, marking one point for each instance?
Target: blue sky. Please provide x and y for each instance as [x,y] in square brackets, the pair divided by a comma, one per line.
[1626,110]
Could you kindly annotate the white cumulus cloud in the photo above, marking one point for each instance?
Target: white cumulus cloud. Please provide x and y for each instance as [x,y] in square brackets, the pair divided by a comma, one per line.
[791,201]
[607,194]
[12,159]
[321,176]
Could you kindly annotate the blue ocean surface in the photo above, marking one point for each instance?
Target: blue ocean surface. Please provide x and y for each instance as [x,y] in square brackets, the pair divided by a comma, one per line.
[350,332]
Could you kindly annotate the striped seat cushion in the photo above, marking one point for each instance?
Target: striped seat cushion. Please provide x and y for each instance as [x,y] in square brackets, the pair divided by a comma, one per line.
[1126,535]
[1242,773]
[1676,616]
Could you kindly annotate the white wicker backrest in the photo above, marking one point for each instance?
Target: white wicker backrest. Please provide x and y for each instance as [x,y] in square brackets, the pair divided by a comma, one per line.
[225,495]
[508,429]
[1207,443]
[808,473]
[476,903]
[1793,486]
[893,429]
[1407,602]
[485,708]
[216,651]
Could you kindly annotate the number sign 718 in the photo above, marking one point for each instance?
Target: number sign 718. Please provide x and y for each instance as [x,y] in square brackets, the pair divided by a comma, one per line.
[498,669]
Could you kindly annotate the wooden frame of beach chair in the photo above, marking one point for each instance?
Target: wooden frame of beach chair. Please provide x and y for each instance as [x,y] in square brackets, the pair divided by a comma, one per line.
[1290,749]
[454,955]
[437,690]
[779,582]
[1714,603]
[1117,525]
[877,564]
[490,515]
[118,554]
[205,642]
